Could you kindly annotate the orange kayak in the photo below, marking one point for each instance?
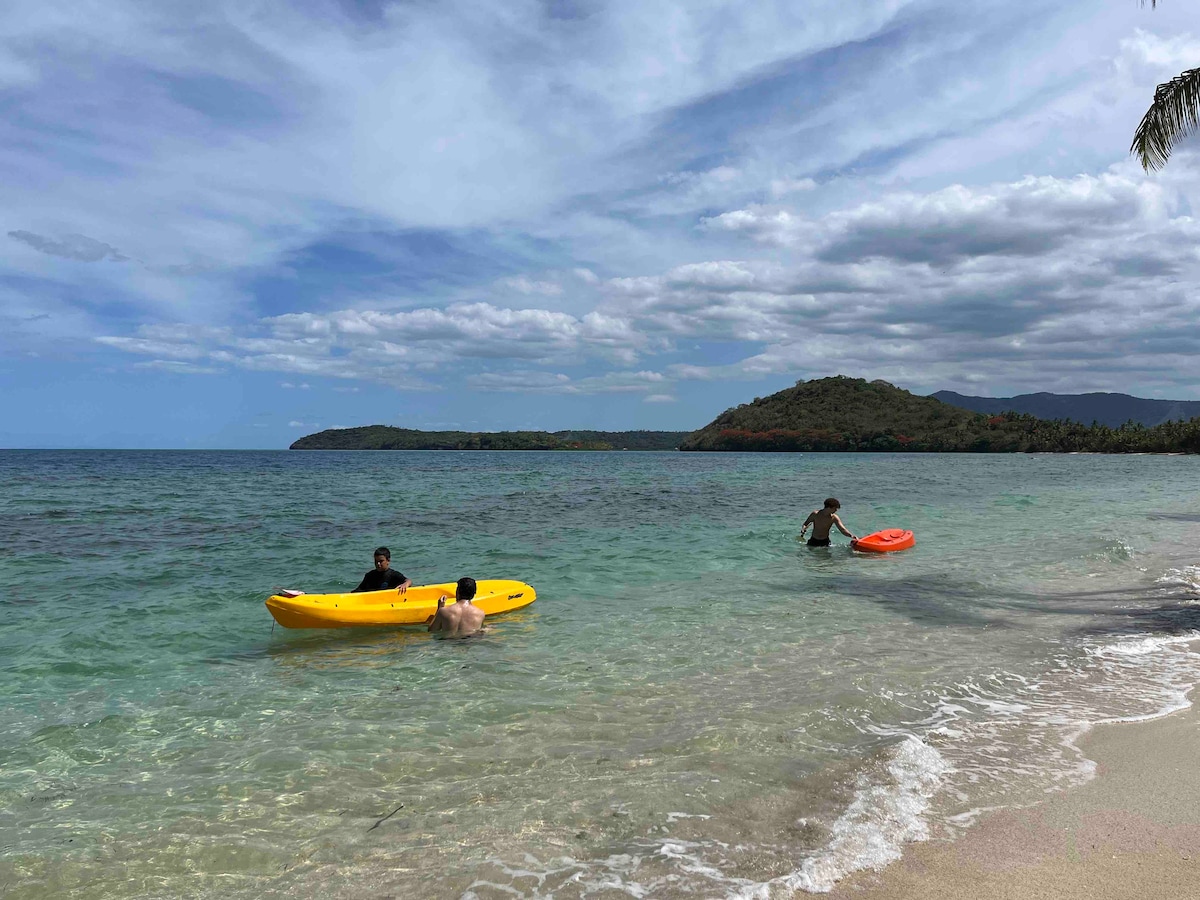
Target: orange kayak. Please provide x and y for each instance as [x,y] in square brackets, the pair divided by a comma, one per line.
[885,541]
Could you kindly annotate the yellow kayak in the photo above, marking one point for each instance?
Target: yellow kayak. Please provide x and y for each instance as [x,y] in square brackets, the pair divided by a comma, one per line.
[415,606]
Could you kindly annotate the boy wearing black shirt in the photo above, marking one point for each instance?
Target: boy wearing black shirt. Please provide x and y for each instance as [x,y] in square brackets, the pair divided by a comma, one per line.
[383,576]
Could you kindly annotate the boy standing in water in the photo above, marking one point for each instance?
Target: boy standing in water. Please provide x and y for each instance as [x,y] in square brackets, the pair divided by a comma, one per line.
[821,521]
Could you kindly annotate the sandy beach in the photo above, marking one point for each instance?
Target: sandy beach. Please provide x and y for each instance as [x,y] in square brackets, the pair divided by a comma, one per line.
[1131,832]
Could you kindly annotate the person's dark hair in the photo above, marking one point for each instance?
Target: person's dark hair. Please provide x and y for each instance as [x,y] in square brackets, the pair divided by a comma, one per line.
[384,552]
[832,501]
[465,589]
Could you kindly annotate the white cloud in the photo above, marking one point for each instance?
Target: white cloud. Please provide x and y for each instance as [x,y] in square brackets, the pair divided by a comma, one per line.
[1164,55]
[775,226]
[547,383]
[1031,217]
[177,367]
[782,186]
[525,285]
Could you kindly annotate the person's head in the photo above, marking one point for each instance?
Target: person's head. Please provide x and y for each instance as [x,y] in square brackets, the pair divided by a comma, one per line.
[383,558]
[465,589]
[832,503]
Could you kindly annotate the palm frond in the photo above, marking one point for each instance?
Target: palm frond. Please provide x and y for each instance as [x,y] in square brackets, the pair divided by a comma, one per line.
[1174,114]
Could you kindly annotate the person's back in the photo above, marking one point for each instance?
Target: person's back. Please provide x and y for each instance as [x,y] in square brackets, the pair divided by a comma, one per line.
[822,523]
[462,617]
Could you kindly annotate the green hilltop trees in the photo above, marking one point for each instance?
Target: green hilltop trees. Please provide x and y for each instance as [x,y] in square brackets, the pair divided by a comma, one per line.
[841,413]
[386,437]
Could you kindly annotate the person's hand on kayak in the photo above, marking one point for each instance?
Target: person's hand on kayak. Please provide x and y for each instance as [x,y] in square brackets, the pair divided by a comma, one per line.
[442,602]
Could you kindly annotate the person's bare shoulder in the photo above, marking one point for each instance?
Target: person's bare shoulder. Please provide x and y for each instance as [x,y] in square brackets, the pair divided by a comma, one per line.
[445,619]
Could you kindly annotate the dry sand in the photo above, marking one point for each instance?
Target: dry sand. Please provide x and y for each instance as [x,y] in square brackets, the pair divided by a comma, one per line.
[1132,832]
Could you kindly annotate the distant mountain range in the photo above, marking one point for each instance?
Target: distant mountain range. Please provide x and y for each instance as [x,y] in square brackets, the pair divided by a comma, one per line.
[1112,410]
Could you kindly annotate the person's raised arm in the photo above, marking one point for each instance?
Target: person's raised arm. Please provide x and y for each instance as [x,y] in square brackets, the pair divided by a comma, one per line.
[436,624]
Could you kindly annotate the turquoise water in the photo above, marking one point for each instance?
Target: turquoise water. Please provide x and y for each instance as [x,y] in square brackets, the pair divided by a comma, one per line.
[697,705]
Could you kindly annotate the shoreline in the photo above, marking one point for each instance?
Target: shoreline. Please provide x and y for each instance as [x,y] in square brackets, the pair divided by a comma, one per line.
[1132,831]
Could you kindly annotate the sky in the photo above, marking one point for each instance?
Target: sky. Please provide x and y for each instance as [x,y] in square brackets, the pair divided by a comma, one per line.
[232,224]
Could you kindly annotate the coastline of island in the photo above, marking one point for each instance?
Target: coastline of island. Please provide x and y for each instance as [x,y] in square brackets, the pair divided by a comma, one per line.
[837,414]
[387,437]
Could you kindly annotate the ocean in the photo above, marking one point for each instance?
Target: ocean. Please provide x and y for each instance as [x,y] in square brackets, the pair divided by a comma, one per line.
[697,705]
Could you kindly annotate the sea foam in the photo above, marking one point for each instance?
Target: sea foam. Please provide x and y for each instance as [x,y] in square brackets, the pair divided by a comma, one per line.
[872,831]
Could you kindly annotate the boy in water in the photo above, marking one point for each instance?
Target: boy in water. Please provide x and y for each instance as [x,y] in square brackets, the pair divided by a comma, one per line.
[463,617]
[821,521]
[383,576]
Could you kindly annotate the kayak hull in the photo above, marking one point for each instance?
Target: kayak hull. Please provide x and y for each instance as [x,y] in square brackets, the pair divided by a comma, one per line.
[415,606]
[887,541]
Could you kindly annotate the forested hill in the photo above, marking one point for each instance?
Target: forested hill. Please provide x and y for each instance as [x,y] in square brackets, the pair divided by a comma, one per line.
[843,413]
[1107,409]
[838,413]
[385,437]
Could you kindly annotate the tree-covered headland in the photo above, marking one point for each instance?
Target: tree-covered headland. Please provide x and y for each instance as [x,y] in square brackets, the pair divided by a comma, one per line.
[840,413]
[385,437]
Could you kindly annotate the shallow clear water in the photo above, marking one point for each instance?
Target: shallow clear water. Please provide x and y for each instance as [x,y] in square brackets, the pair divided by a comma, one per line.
[697,705]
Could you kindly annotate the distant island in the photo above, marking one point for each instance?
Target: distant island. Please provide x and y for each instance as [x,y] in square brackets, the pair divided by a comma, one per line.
[844,414]
[385,437]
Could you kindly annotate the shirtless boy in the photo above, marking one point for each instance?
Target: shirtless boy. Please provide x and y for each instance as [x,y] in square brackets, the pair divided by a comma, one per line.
[463,617]
[821,521]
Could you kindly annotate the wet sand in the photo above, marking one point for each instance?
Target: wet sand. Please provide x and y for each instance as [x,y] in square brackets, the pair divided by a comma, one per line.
[1131,832]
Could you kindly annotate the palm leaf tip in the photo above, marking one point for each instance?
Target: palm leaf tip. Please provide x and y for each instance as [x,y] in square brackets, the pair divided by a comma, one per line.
[1174,114]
